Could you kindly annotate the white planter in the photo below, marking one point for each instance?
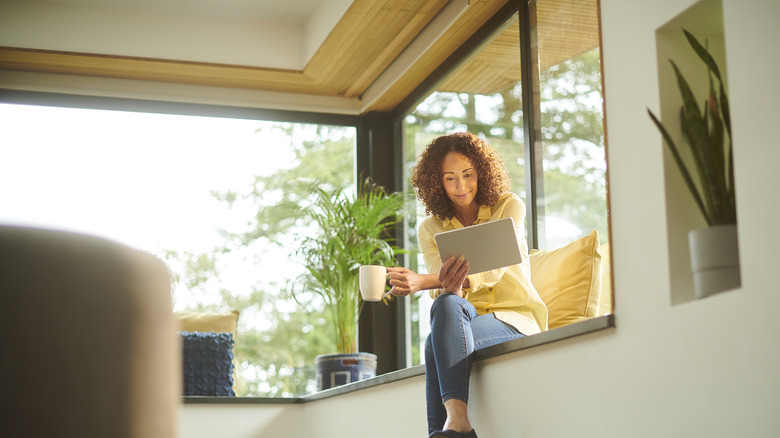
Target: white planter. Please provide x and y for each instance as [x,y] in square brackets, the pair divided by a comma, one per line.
[714,259]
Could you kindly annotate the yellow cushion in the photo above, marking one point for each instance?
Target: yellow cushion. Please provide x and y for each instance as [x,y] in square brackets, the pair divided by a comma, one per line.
[208,322]
[605,300]
[568,280]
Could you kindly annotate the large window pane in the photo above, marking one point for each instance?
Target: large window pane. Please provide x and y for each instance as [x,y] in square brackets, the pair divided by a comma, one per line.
[200,193]
[482,95]
[572,190]
[566,143]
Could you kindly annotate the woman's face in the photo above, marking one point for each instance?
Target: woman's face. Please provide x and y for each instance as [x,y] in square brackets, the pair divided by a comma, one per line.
[459,179]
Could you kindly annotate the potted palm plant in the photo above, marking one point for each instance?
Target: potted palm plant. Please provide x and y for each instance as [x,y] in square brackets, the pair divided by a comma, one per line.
[352,230]
[707,133]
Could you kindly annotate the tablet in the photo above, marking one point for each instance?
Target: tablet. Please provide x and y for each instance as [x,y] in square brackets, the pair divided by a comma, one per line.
[487,246]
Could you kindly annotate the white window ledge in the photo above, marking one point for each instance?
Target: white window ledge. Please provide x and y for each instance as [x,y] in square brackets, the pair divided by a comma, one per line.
[550,336]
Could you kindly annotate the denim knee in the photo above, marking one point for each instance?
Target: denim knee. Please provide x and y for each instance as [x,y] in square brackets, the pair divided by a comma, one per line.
[448,302]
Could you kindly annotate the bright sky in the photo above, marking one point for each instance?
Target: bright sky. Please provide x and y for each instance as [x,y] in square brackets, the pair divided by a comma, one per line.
[144,180]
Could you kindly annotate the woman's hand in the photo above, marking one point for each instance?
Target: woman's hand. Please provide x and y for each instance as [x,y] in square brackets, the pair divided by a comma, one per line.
[452,275]
[404,281]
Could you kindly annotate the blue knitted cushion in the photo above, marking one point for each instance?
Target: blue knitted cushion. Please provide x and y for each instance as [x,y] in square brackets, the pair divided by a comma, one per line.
[207,363]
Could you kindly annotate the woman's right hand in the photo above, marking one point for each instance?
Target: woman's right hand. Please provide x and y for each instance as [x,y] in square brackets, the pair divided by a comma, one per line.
[404,281]
[452,275]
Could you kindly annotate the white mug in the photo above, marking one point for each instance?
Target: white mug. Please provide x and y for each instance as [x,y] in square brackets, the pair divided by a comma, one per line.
[372,280]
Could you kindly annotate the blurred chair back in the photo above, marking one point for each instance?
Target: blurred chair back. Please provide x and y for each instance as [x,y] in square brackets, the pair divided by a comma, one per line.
[90,348]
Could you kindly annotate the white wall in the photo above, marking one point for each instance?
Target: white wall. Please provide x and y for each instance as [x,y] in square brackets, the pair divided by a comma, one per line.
[706,368]
[242,421]
[393,410]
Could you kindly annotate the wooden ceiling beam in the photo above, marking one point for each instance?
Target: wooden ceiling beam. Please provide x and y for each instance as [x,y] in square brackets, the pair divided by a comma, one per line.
[367,39]
[160,70]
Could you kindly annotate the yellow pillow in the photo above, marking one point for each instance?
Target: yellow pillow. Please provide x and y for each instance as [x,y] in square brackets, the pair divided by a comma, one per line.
[208,322]
[568,280]
[605,300]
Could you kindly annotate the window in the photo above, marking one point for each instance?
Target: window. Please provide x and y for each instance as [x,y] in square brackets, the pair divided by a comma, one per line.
[196,192]
[200,191]
[571,184]
[547,127]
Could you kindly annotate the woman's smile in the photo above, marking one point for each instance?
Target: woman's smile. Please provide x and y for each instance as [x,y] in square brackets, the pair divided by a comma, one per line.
[459,180]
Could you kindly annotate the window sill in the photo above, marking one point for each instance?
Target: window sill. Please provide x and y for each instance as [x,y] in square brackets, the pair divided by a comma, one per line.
[555,335]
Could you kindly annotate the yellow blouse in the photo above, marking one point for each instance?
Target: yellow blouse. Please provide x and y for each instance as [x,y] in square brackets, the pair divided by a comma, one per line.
[506,292]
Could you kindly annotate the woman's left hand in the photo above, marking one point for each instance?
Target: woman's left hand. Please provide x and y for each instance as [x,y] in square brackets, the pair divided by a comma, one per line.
[452,275]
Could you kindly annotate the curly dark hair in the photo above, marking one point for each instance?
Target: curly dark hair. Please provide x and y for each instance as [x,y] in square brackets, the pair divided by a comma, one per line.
[492,179]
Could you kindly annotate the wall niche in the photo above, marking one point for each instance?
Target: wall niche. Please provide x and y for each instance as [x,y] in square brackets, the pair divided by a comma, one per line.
[704,20]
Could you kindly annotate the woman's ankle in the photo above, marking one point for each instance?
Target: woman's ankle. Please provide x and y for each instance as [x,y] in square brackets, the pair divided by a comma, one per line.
[457,416]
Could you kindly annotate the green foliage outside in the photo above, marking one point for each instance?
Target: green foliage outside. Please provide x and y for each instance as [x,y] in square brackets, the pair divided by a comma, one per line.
[277,342]
[573,135]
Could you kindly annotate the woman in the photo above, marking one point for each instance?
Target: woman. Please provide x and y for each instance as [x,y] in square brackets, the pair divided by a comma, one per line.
[462,182]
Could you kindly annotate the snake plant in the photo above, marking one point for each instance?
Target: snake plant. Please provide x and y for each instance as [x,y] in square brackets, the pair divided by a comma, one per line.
[707,132]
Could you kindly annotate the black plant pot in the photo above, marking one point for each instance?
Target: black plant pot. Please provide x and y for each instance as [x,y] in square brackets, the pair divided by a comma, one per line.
[339,369]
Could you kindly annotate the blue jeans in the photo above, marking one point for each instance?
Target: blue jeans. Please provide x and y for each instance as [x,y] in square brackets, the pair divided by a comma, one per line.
[456,332]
